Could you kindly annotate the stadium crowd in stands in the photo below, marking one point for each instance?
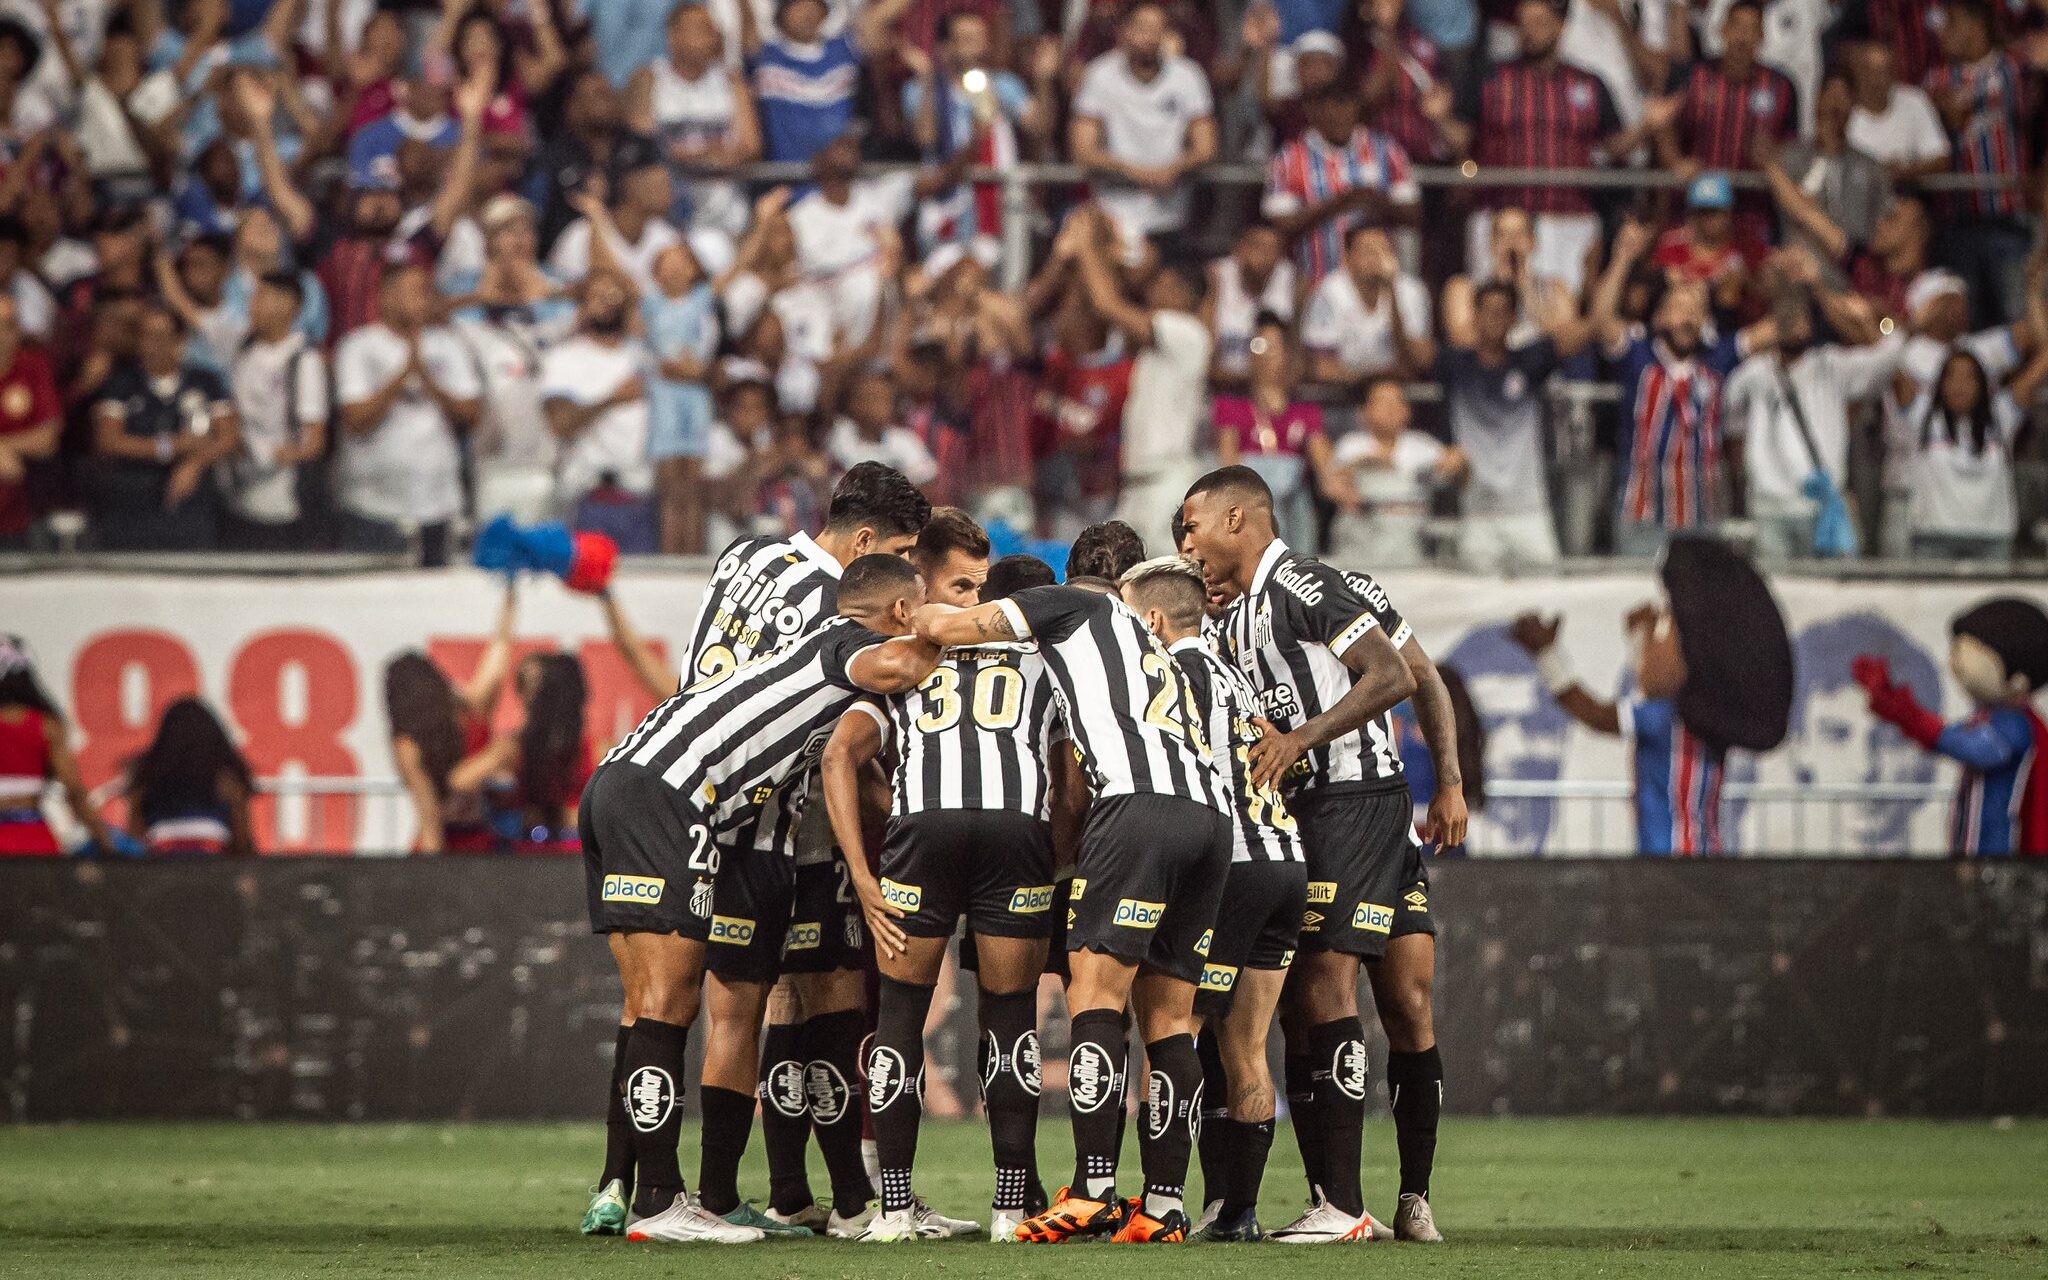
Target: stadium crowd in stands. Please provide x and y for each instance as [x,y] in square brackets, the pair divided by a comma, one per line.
[360,274]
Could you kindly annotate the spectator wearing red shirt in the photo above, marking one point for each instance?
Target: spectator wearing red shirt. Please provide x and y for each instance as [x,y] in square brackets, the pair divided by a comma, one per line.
[1541,112]
[1985,95]
[31,418]
[1407,93]
[1711,247]
[1728,105]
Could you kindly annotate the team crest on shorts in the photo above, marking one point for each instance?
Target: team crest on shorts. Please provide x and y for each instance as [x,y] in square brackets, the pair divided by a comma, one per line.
[850,929]
[700,899]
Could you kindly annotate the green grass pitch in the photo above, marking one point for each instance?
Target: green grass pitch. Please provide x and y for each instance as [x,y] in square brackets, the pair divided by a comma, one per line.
[1564,1198]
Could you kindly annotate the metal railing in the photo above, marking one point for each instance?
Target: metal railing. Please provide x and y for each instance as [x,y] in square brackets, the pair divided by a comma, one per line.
[1523,817]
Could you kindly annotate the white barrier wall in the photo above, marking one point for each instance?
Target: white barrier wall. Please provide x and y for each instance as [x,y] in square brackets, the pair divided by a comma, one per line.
[297,667]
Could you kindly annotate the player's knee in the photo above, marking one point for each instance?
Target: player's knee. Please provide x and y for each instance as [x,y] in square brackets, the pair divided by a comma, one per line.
[1407,1018]
[666,998]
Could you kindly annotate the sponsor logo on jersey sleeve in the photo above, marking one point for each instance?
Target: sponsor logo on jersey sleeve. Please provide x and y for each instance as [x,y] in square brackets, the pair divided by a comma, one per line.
[1031,900]
[641,889]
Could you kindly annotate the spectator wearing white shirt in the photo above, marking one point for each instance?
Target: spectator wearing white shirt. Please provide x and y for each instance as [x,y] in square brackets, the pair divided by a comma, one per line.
[406,390]
[1143,118]
[1955,443]
[1388,473]
[1254,278]
[639,196]
[593,392]
[1168,398]
[1892,123]
[1776,402]
[869,432]
[848,237]
[1367,318]
[279,384]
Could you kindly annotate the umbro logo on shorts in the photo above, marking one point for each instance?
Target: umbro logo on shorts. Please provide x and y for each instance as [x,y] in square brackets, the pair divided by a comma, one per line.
[1373,918]
[1133,914]
[1417,899]
[1031,900]
[903,896]
[645,889]
[729,929]
[1312,922]
[1322,892]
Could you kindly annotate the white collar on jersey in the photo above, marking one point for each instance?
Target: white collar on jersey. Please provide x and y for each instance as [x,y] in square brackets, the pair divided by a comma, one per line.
[1187,642]
[1274,550]
[814,553]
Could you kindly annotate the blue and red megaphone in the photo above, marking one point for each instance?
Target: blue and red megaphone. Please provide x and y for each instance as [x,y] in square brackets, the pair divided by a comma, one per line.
[583,561]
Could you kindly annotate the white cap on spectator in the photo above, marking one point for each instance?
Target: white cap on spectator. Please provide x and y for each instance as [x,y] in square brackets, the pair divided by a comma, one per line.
[1929,286]
[1317,42]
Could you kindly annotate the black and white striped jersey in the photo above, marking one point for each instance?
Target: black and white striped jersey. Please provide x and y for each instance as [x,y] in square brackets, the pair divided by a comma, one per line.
[1126,706]
[764,593]
[977,734]
[1285,635]
[1261,827]
[731,740]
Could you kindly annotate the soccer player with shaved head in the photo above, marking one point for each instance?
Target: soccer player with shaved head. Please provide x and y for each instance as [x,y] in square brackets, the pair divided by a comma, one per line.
[1329,658]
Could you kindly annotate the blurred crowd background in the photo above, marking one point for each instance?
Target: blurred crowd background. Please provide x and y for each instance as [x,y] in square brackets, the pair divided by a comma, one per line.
[1471,282]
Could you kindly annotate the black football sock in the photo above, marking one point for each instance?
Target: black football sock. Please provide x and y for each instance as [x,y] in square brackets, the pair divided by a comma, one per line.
[1095,1095]
[831,1046]
[1173,1116]
[1009,1093]
[894,1064]
[1301,1108]
[1338,1070]
[728,1120]
[618,1130]
[1250,1140]
[785,1118]
[653,1102]
[1415,1085]
[1218,1137]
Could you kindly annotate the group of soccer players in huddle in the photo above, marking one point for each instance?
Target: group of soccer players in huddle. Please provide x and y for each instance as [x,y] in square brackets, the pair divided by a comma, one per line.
[1173,782]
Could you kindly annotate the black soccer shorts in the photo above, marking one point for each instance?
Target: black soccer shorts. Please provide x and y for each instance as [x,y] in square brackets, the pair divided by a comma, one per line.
[826,932]
[751,901]
[1256,929]
[992,865]
[648,856]
[1150,881]
[1367,883]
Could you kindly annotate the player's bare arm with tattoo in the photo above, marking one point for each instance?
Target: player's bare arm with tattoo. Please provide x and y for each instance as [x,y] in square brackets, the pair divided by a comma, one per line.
[942,624]
[1384,678]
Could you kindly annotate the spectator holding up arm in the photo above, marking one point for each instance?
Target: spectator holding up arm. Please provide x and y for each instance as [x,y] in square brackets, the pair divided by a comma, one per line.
[1894,124]
[1274,434]
[1143,119]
